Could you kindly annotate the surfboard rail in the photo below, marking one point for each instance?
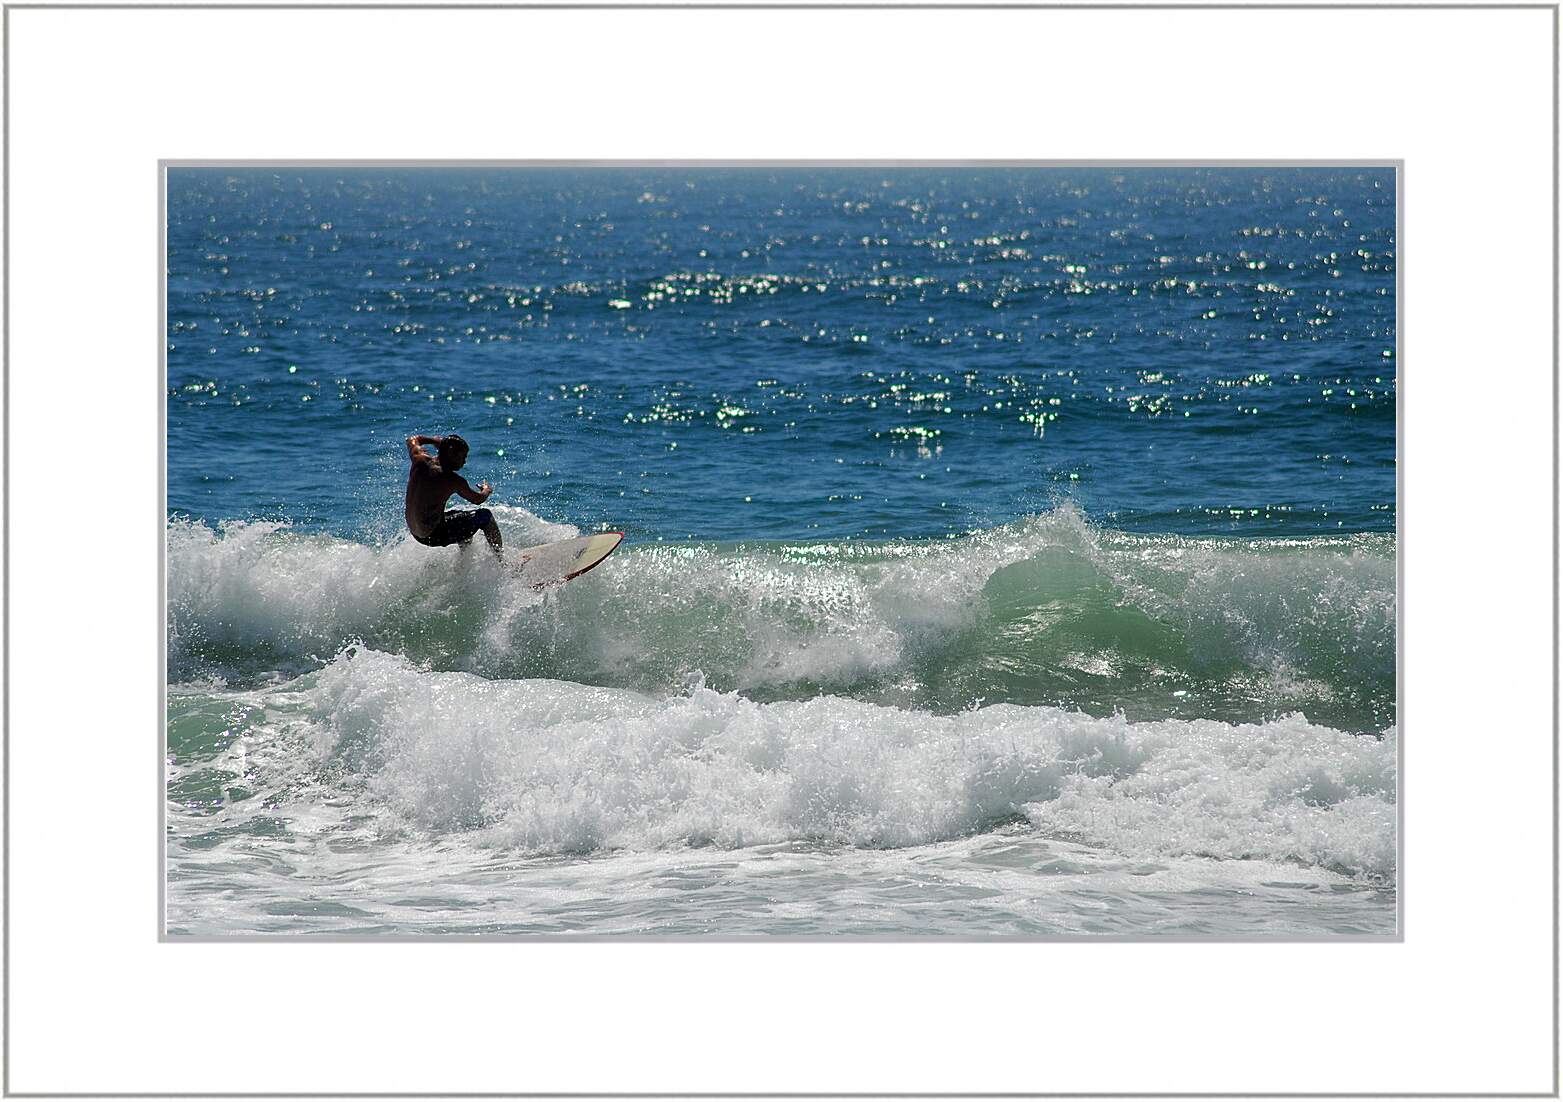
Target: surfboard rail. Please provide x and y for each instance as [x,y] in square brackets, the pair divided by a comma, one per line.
[550,564]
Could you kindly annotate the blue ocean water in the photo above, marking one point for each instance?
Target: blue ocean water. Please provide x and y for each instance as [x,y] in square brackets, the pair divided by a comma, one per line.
[923,352]
[999,542]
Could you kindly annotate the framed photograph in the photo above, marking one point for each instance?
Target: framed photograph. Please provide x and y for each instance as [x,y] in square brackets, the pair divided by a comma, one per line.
[998,550]
[1009,550]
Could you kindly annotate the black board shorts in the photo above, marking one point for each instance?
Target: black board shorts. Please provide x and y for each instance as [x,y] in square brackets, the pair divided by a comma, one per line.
[456,527]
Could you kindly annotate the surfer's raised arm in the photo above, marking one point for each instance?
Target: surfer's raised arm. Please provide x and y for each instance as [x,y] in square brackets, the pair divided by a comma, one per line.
[417,444]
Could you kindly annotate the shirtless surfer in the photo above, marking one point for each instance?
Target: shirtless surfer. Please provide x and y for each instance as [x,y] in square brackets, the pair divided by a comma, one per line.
[431,482]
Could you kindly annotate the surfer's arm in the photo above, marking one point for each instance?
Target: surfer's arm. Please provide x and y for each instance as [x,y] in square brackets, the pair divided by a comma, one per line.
[478,496]
[416,445]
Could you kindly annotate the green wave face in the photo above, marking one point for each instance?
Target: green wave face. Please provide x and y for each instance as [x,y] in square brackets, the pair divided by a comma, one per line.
[1050,610]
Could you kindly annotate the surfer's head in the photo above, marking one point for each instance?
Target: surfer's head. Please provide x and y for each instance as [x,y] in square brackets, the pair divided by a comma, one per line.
[453,453]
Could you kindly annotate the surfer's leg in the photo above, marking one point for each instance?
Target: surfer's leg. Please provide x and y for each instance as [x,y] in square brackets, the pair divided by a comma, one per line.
[458,527]
[461,527]
[490,529]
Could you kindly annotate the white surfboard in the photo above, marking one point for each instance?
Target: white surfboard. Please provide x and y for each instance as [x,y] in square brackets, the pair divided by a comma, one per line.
[556,563]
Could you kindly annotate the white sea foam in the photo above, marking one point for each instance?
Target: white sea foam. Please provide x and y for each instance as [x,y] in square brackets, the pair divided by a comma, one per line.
[551,767]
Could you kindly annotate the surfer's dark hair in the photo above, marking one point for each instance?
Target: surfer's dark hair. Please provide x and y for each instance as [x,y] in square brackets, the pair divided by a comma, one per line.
[454,449]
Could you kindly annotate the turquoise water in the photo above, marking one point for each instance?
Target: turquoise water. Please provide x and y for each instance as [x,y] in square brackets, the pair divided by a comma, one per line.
[1007,552]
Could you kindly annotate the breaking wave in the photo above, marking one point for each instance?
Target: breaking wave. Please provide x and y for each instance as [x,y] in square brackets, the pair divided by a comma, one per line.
[1049,610]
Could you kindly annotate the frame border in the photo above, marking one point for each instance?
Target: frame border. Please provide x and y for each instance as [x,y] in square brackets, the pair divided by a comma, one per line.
[5,455]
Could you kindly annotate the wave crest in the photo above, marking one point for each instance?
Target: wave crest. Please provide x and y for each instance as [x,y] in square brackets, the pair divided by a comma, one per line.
[1049,610]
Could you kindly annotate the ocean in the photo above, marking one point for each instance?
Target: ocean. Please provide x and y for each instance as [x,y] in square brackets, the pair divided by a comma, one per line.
[1009,552]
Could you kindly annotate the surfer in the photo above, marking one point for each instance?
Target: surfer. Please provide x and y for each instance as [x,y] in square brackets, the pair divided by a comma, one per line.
[430,483]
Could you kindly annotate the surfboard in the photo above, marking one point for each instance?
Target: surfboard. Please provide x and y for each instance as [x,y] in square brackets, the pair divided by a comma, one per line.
[556,563]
